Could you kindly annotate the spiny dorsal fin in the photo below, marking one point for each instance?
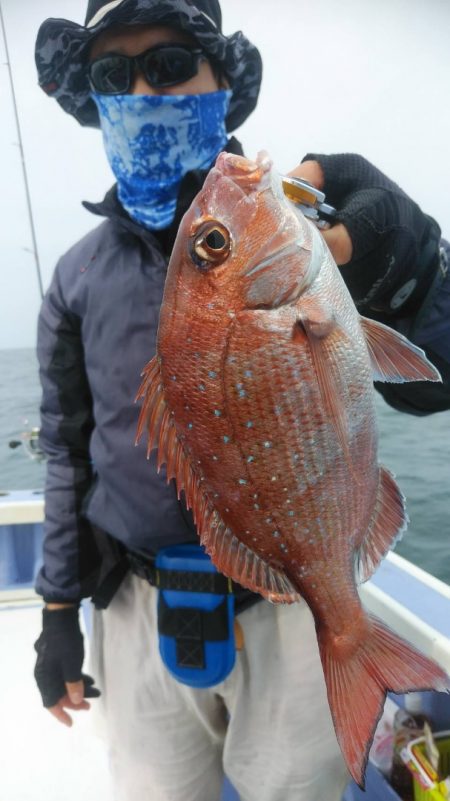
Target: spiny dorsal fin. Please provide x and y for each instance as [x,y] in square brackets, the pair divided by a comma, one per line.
[394,358]
[388,523]
[227,552]
[235,560]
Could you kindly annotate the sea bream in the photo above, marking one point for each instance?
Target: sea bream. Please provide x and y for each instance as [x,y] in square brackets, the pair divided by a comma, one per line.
[260,400]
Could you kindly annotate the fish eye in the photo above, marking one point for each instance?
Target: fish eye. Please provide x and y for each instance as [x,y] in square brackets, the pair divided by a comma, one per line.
[210,245]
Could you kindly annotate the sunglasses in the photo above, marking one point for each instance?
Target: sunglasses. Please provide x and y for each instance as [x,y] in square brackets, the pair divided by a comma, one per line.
[163,65]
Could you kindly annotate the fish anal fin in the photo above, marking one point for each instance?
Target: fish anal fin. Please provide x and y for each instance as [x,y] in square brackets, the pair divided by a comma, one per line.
[235,560]
[394,358]
[386,528]
[358,674]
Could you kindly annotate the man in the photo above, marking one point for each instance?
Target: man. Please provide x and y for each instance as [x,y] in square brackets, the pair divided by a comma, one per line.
[166,86]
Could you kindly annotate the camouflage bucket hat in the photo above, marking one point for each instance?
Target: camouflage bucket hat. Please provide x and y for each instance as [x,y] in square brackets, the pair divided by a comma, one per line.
[62,51]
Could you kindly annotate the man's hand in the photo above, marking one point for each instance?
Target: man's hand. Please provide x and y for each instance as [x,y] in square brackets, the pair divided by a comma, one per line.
[336,237]
[58,666]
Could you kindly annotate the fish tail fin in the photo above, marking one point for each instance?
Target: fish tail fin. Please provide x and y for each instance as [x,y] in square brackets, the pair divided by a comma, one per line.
[358,679]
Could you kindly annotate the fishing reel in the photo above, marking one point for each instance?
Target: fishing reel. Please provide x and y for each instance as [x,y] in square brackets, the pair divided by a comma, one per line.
[30,441]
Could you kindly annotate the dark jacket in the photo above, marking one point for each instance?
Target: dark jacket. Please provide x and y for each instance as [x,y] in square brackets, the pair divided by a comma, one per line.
[97,330]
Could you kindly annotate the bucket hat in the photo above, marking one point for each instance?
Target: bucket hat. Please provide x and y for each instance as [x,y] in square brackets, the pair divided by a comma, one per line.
[62,51]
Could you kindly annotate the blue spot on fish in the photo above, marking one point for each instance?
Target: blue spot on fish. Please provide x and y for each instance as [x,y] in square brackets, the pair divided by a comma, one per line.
[226,439]
[291,513]
[202,387]
[190,425]
[217,412]
[242,393]
[267,444]
[248,373]
[212,374]
[275,534]
[173,378]
[242,481]
[250,459]
[249,424]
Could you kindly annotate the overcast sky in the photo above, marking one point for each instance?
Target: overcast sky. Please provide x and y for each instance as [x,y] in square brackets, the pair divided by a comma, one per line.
[354,75]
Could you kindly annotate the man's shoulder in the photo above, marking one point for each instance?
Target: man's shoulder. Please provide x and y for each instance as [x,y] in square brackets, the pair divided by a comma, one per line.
[97,240]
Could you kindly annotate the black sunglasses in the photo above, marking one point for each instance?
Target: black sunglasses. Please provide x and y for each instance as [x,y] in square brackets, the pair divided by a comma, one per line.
[163,65]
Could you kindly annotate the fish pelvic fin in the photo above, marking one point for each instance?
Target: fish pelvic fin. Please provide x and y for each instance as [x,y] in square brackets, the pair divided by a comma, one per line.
[231,556]
[394,358]
[358,679]
[386,528]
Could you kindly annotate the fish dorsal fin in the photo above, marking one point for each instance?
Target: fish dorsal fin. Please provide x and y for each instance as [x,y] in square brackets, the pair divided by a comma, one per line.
[227,552]
[388,523]
[394,358]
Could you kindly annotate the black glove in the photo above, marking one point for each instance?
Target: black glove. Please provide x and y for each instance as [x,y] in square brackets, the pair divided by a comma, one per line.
[395,245]
[60,653]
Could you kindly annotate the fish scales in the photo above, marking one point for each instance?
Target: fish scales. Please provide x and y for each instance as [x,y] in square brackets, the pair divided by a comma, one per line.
[260,401]
[306,484]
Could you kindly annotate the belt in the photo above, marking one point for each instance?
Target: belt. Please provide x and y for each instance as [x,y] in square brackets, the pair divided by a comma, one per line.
[190,581]
[182,580]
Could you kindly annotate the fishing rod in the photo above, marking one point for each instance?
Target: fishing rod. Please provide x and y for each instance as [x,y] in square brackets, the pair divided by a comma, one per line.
[22,156]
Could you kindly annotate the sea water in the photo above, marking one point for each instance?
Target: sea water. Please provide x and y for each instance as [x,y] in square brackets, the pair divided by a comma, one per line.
[415,449]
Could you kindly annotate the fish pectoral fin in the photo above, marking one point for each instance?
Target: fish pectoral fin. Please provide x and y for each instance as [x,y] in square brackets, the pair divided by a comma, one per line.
[235,560]
[358,672]
[320,326]
[386,528]
[317,317]
[394,358]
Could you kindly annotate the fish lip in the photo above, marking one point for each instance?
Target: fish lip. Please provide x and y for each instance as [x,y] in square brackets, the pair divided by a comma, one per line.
[250,176]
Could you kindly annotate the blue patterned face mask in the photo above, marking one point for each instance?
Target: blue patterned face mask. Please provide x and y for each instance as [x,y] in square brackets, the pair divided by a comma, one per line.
[152,141]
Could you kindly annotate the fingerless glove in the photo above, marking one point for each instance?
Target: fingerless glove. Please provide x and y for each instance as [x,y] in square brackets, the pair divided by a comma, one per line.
[60,651]
[395,245]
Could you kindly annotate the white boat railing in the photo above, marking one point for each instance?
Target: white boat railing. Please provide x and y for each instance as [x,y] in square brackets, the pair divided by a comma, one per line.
[412,602]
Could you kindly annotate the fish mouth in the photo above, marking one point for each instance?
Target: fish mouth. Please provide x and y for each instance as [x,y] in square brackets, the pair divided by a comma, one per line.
[247,174]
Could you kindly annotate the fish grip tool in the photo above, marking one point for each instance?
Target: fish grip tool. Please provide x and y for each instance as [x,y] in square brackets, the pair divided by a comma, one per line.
[195,616]
[310,201]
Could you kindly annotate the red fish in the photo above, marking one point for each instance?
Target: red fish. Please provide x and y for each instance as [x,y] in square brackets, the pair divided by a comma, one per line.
[260,400]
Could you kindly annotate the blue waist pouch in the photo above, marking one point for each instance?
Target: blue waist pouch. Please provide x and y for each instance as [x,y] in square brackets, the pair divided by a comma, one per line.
[195,616]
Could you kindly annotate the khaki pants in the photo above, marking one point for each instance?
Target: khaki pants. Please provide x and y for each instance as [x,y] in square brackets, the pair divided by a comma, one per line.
[267,725]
